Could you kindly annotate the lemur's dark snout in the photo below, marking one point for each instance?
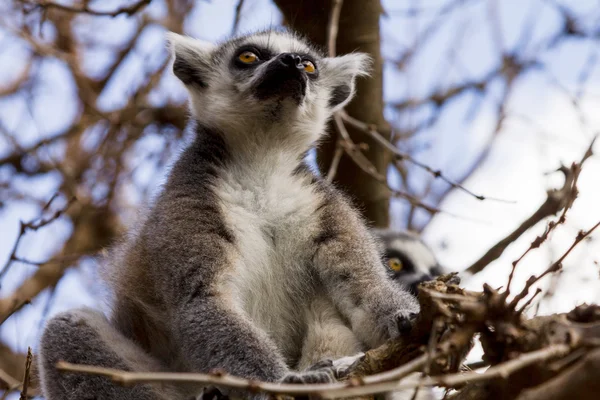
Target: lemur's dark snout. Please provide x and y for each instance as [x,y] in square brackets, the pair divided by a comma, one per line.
[284,77]
[291,60]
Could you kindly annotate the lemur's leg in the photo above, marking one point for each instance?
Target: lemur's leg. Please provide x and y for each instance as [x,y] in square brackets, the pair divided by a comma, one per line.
[236,345]
[85,336]
[327,336]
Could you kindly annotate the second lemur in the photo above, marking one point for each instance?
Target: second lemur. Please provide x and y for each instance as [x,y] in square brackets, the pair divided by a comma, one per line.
[242,237]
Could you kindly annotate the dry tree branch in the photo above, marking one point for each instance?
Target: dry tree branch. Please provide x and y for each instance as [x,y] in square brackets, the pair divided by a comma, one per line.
[402,156]
[333,26]
[556,200]
[93,228]
[238,15]
[335,162]
[503,370]
[353,151]
[579,381]
[84,9]
[555,266]
[8,381]
[33,225]
[27,373]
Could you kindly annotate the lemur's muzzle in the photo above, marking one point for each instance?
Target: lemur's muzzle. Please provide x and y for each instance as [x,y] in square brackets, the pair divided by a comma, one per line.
[284,76]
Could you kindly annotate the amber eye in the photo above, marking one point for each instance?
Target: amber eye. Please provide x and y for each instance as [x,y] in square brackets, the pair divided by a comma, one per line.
[309,67]
[248,57]
[395,264]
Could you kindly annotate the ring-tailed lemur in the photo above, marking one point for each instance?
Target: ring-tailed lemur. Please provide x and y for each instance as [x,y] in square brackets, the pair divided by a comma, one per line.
[242,237]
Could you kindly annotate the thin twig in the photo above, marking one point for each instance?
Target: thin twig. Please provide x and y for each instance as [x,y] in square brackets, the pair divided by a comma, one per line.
[335,162]
[556,200]
[402,156]
[27,374]
[555,266]
[238,15]
[33,225]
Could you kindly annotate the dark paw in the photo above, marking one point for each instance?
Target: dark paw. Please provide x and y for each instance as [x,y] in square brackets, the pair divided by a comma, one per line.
[401,324]
[211,393]
[343,366]
[319,376]
[327,363]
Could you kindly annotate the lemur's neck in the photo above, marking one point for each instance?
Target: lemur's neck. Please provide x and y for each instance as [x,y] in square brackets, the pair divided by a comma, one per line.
[259,153]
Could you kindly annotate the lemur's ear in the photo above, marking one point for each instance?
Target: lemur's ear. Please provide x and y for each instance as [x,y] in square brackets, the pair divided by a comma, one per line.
[191,58]
[339,73]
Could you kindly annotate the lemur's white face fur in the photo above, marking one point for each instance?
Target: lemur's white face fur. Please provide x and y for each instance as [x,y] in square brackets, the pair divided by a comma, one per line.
[409,260]
[265,87]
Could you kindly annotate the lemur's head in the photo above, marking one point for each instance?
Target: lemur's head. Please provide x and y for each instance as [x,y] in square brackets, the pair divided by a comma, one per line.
[263,83]
[408,259]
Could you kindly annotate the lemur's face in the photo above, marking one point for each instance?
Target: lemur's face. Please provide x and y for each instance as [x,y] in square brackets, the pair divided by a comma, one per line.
[265,79]
[407,258]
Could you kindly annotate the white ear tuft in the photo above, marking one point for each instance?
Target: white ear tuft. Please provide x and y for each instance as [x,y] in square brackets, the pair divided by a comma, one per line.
[191,58]
[339,73]
[359,63]
[179,43]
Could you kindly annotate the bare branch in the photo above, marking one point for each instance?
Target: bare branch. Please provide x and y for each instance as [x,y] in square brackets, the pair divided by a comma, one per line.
[333,26]
[84,9]
[556,200]
[238,14]
[27,372]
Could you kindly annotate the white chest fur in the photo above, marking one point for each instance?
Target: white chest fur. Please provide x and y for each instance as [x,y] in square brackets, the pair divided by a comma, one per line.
[272,214]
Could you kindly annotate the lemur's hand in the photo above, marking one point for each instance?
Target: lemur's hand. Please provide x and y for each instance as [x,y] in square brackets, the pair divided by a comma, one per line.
[321,375]
[400,323]
[396,318]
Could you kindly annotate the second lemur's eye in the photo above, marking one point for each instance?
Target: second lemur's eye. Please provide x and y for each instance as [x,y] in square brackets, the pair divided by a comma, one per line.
[395,264]
[309,67]
[248,57]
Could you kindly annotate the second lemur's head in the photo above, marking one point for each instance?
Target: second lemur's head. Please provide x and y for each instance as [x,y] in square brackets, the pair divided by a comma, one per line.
[408,260]
[272,84]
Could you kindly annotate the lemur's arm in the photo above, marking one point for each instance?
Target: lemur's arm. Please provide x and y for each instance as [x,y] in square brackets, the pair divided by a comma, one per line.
[348,262]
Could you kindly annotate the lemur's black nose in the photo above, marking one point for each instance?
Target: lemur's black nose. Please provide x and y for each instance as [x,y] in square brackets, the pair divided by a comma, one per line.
[291,60]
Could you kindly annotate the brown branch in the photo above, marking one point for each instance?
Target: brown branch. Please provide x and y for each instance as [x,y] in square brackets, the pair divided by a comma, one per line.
[503,370]
[402,156]
[354,152]
[27,372]
[555,266]
[93,229]
[15,85]
[236,19]
[580,381]
[337,156]
[84,9]
[8,381]
[333,26]
[33,225]
[556,200]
